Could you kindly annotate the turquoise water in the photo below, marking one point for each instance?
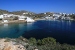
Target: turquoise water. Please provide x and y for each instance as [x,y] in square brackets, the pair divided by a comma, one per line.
[15,30]
[11,30]
[63,31]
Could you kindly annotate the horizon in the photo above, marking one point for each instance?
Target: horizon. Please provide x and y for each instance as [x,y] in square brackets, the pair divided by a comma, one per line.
[39,6]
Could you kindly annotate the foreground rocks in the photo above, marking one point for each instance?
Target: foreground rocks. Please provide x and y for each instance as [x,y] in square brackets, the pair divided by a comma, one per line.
[10,45]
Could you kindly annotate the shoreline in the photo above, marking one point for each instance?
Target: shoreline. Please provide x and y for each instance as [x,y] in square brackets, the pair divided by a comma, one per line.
[14,21]
[23,21]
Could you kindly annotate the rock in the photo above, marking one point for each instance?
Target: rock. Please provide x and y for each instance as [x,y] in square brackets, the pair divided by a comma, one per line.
[10,46]
[35,49]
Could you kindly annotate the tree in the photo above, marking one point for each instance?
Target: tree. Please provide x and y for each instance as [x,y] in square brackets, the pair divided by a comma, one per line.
[15,18]
[72,16]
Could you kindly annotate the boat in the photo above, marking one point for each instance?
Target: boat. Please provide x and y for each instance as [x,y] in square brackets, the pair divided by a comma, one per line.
[29,19]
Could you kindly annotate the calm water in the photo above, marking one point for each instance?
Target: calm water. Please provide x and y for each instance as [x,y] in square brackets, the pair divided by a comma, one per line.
[63,31]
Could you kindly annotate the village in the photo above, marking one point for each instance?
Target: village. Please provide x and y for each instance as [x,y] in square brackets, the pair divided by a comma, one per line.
[23,16]
[11,18]
[57,16]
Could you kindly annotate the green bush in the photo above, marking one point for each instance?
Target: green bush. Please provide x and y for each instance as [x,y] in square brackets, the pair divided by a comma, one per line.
[39,42]
[32,41]
[49,40]
[23,39]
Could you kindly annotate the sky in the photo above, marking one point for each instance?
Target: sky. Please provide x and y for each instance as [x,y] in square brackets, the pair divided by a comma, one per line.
[39,6]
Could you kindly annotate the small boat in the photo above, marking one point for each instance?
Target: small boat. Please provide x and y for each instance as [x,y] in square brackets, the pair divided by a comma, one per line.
[29,19]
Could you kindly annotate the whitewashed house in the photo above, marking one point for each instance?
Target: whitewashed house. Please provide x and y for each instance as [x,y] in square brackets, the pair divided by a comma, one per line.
[44,13]
[5,15]
[21,17]
[62,17]
[67,18]
[9,15]
[25,13]
[1,16]
[57,15]
[49,18]
[5,21]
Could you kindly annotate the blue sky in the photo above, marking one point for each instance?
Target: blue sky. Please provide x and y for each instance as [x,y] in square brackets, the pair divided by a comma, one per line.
[38,6]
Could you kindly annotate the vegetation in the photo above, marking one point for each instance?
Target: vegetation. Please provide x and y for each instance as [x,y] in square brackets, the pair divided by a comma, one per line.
[72,16]
[15,18]
[48,43]
[31,14]
[32,41]
[40,15]
[3,11]
[16,12]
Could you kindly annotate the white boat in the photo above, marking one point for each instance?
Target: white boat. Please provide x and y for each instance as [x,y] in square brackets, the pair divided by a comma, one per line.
[29,19]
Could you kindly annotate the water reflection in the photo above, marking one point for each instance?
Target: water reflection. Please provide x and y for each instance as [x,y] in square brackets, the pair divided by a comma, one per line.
[5,25]
[31,26]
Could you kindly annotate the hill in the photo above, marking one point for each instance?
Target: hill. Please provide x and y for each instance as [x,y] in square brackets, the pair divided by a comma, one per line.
[16,12]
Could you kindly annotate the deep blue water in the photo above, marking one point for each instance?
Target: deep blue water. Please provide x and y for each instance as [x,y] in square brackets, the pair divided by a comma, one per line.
[62,31]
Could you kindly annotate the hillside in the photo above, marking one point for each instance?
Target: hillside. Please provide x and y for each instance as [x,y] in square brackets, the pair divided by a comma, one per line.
[22,43]
[16,12]
[3,11]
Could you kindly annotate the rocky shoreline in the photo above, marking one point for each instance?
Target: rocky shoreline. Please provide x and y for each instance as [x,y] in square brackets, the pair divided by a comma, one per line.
[22,43]
[15,44]
[9,45]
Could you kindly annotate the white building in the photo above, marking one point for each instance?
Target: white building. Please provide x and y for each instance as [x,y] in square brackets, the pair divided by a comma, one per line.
[5,21]
[44,13]
[21,17]
[67,18]
[62,17]
[9,15]
[49,18]
[1,16]
[57,15]
[25,13]
[5,15]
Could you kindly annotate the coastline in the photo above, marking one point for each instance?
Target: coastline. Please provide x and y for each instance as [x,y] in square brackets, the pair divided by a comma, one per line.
[23,21]
[13,21]
[18,21]
[39,19]
[52,20]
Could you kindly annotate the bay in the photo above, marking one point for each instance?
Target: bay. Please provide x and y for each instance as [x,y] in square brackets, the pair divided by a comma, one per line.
[62,31]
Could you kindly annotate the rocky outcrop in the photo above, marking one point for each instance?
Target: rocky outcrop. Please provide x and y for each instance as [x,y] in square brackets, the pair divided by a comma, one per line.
[10,45]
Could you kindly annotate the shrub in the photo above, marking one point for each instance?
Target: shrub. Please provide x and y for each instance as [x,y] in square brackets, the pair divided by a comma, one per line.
[39,42]
[32,41]
[49,40]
